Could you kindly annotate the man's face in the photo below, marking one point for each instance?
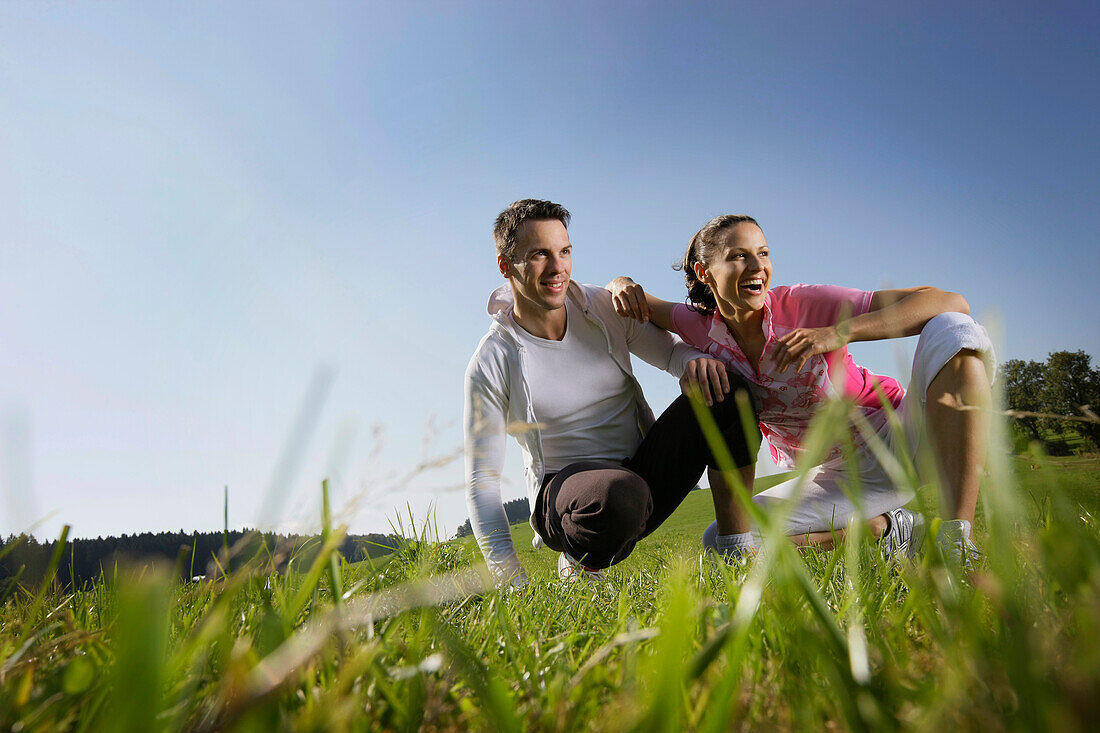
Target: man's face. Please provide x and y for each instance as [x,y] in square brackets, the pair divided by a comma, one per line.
[540,271]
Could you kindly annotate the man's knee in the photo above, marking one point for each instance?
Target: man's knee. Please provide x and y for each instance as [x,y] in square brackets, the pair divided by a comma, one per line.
[616,501]
[603,515]
[734,415]
[737,404]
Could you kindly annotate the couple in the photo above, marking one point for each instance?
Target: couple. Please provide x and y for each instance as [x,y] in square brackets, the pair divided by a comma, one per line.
[554,371]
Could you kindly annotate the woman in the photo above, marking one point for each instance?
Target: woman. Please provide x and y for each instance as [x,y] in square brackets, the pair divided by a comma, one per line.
[790,343]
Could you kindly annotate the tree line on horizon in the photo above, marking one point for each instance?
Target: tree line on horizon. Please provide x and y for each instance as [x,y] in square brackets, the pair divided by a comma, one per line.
[517,510]
[198,553]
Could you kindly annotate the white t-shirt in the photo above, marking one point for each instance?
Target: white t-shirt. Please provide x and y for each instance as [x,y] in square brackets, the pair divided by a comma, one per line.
[583,401]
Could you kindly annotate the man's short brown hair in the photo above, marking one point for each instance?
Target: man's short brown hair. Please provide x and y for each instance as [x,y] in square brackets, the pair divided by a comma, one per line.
[504,230]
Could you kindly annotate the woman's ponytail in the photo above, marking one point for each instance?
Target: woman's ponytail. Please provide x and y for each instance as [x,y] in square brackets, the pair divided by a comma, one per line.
[699,294]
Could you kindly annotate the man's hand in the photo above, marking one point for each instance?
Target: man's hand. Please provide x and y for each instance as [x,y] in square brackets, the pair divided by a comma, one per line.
[708,376]
[802,343]
[629,299]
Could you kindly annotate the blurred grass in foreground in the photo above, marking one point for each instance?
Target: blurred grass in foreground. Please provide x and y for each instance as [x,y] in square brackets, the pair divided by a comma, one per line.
[797,640]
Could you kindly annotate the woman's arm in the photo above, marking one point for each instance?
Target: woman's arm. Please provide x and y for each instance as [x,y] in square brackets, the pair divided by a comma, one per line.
[892,314]
[632,301]
[902,312]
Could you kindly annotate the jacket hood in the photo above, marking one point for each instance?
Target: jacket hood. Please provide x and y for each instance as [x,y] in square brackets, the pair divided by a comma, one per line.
[500,300]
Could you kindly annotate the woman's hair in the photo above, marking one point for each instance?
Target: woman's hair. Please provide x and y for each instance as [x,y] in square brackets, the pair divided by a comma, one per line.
[701,249]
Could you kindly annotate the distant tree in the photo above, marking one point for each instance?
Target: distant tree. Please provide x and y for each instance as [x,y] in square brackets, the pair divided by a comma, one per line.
[1023,388]
[1072,383]
[1061,386]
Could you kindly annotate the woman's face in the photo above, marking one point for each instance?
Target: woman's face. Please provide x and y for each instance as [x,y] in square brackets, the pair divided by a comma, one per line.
[739,271]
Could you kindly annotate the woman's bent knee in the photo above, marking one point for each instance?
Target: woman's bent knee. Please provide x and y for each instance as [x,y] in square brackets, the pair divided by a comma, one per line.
[955,332]
[944,338]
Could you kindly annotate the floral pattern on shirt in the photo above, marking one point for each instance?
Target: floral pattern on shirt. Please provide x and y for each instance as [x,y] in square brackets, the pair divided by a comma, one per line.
[786,402]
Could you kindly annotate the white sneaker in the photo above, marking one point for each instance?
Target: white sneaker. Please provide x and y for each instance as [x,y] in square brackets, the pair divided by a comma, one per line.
[571,570]
[904,535]
[955,543]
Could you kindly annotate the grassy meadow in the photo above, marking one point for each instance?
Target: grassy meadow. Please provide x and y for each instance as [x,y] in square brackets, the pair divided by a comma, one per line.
[673,640]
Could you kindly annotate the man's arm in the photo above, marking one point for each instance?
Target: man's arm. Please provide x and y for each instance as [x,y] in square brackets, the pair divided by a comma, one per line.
[484,421]
[892,314]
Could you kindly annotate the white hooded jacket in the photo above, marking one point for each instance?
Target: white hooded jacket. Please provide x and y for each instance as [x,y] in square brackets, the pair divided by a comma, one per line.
[498,402]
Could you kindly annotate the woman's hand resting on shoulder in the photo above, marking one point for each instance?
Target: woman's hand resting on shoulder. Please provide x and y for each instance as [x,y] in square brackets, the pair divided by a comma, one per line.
[629,299]
[632,301]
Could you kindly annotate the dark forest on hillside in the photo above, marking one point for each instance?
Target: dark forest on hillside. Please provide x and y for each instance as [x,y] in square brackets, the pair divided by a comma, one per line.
[517,510]
[198,553]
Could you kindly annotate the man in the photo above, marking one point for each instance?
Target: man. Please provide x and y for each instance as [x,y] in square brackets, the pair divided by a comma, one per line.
[554,371]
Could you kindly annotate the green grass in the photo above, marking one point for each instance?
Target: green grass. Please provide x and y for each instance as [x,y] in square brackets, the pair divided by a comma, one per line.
[806,640]
[1077,478]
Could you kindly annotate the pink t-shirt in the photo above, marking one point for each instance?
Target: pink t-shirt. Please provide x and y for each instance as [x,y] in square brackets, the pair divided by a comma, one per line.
[788,400]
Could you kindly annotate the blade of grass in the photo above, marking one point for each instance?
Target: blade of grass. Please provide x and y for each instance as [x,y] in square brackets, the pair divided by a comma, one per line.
[335,579]
[47,582]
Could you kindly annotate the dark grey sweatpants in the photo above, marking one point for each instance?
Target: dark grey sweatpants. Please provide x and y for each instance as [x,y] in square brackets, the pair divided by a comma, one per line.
[597,513]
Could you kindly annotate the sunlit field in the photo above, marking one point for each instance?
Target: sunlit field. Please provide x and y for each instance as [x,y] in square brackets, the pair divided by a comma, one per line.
[672,640]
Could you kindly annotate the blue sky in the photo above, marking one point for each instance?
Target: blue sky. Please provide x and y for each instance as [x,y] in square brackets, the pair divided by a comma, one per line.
[249,245]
